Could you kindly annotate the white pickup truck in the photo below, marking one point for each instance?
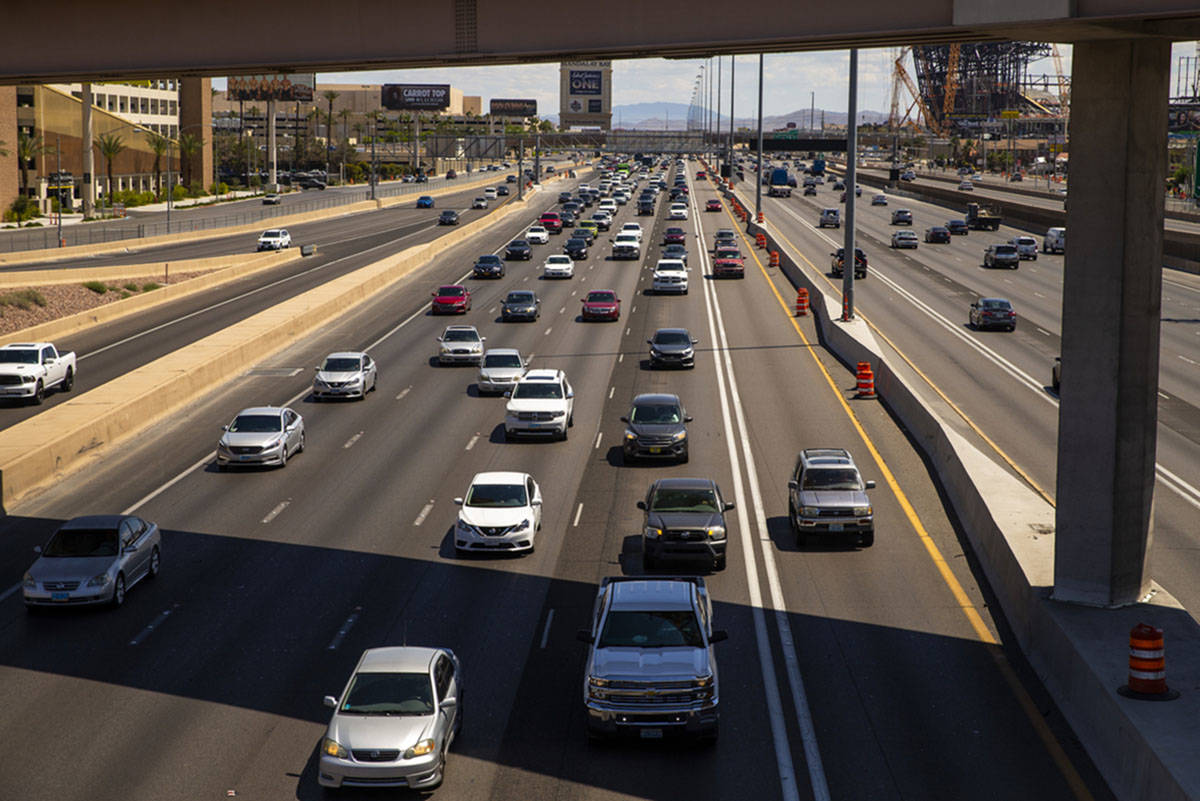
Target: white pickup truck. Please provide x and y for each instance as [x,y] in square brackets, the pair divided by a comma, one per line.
[28,369]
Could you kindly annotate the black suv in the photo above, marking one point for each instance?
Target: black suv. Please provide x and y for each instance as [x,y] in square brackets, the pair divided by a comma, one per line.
[685,519]
[645,207]
[657,428]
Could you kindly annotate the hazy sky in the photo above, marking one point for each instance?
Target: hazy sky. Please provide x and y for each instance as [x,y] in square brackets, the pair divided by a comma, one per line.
[789,78]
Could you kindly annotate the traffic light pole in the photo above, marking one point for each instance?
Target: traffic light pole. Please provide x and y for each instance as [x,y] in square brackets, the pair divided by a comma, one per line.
[849,257]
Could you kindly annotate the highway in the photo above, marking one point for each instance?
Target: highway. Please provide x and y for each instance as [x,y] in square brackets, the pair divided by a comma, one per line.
[343,244]
[849,674]
[919,300]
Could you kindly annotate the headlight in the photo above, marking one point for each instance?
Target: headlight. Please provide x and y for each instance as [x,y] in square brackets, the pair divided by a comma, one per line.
[27,379]
[524,524]
[464,526]
[655,352]
[679,436]
[356,380]
[422,748]
[98,581]
[221,446]
[862,511]
[29,582]
[595,682]
[653,533]
[333,748]
[716,532]
[629,435]
[809,511]
[704,681]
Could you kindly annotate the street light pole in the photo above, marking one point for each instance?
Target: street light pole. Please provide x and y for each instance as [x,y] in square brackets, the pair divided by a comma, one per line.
[758,183]
[849,255]
[58,186]
[170,183]
[374,136]
[732,88]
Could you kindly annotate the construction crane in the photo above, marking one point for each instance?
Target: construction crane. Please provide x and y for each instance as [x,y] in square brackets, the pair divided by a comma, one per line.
[1064,91]
[900,77]
[951,82]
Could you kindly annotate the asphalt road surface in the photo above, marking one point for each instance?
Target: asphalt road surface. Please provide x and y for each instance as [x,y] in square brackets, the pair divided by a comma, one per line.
[849,674]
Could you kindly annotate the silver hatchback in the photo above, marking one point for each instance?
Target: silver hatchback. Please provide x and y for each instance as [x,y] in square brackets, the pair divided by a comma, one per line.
[93,560]
[395,720]
[261,435]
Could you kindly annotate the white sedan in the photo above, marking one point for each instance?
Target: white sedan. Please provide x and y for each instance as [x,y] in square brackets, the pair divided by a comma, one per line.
[559,265]
[678,211]
[501,512]
[537,235]
[904,239]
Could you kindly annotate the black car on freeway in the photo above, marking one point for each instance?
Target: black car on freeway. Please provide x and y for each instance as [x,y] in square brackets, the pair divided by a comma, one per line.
[518,250]
[577,248]
[520,304]
[672,347]
[448,217]
[489,266]
[958,227]
[939,234]
[656,428]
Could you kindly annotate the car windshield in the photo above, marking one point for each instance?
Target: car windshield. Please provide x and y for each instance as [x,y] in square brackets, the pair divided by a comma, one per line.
[672,338]
[995,304]
[256,424]
[460,335]
[68,542]
[675,231]
[729,254]
[340,365]
[18,357]
[835,478]
[651,629]
[1005,249]
[576,242]
[519,297]
[271,235]
[601,297]
[558,260]
[496,496]
[452,291]
[656,413]
[502,360]
[488,260]
[538,390]
[389,694]
[675,499]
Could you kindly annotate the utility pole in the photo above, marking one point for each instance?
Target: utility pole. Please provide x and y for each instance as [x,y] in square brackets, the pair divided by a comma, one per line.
[521,168]
[717,127]
[812,111]
[273,165]
[374,136]
[58,186]
[89,156]
[732,88]
[758,183]
[537,156]
[851,157]
[170,183]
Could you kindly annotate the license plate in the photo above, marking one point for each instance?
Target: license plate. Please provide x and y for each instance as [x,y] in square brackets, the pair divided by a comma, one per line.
[245,458]
[656,450]
[651,734]
[835,526]
[60,596]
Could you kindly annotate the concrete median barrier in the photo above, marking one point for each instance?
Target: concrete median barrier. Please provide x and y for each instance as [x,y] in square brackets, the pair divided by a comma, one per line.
[1145,751]
[68,436]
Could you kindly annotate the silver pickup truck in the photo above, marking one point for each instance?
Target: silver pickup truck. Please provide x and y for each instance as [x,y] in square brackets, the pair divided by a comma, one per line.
[28,369]
[651,671]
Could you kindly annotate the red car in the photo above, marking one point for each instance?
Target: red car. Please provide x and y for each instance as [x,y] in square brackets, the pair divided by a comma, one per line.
[701,175]
[674,236]
[602,304]
[713,205]
[552,222]
[451,299]
[728,262]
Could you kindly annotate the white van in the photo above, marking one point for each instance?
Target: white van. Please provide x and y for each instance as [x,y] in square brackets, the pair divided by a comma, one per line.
[1055,241]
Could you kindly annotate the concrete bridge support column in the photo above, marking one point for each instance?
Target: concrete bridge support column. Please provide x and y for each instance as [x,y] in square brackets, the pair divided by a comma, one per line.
[1110,321]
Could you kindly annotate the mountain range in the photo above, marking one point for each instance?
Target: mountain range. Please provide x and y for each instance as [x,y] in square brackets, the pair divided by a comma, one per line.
[673,116]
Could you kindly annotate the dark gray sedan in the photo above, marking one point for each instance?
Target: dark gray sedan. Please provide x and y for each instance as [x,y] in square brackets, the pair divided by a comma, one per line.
[93,560]
[672,347]
[520,304]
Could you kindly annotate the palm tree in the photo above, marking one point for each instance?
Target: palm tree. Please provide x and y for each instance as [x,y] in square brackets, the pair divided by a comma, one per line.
[331,96]
[110,145]
[159,144]
[29,148]
[3,152]
[189,145]
[345,115]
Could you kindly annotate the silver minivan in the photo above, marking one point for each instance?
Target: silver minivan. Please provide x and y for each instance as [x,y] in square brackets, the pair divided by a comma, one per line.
[830,217]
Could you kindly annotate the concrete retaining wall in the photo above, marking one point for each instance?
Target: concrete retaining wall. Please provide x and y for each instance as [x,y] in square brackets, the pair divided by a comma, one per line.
[122,272]
[1145,751]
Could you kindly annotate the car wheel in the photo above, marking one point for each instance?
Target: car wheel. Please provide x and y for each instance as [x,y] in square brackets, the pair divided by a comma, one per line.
[283,456]
[719,563]
[709,738]
[300,447]
[562,437]
[649,563]
[155,564]
[68,380]
[118,597]
[508,437]
[683,458]
[571,420]
[867,540]
[39,393]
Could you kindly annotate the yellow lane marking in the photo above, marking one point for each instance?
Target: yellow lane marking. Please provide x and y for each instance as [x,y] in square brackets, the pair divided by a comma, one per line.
[1078,787]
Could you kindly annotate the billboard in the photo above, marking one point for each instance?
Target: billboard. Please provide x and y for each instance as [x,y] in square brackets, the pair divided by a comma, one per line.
[501,107]
[271,87]
[415,96]
[585,94]
[1183,117]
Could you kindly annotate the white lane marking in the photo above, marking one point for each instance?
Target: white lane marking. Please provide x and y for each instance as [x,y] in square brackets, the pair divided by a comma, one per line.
[274,513]
[1042,331]
[526,278]
[344,630]
[620,358]
[546,630]
[598,435]
[1164,396]
[548,330]
[492,310]
[627,330]
[633,310]
[1189,361]
[154,624]
[425,510]
[783,756]
[471,444]
[611,390]
[1039,294]
[563,309]
[403,392]
[574,292]
[208,457]
[578,512]
[350,442]
[11,590]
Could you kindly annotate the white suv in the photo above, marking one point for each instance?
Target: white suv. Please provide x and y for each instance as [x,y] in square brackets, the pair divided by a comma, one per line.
[558,265]
[541,404]
[670,275]
[678,211]
[537,235]
[501,511]
[275,239]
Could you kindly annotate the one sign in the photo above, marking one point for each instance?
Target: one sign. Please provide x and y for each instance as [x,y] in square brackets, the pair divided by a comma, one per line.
[585,94]
[499,107]
[415,96]
[271,87]
[586,82]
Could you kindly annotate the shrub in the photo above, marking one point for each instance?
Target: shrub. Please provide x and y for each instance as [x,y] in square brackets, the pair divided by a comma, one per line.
[150,286]
[24,299]
[179,193]
[132,287]
[98,287]
[23,208]
[196,190]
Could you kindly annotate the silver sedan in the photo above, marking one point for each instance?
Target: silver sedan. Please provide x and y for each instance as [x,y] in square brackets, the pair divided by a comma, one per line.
[345,375]
[93,560]
[395,720]
[261,435]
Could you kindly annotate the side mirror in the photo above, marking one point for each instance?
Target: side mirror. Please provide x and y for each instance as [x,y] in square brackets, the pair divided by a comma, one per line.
[330,702]
[570,393]
[449,702]
[687,419]
[458,501]
[37,549]
[624,419]
[224,428]
[641,505]
[695,341]
[483,339]
[728,505]
[508,394]
[718,635]
[585,635]
[793,484]
[869,484]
